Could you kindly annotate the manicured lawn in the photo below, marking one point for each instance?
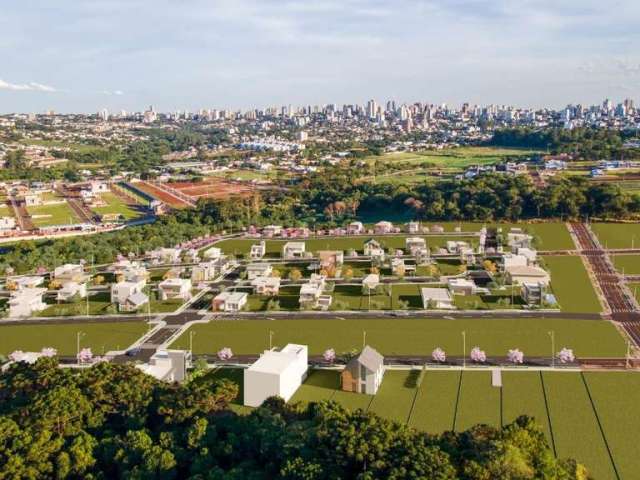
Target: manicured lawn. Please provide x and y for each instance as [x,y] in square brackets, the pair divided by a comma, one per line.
[100,337]
[522,394]
[319,385]
[435,404]
[56,214]
[395,396]
[629,264]
[571,285]
[116,206]
[351,297]
[479,401]
[617,235]
[98,303]
[575,428]
[352,401]
[407,336]
[616,396]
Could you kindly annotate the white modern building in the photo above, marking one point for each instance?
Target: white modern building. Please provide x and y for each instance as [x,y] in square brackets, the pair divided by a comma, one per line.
[26,301]
[439,298]
[229,301]
[70,289]
[526,274]
[255,270]
[212,253]
[292,250]
[168,365]
[204,272]
[412,244]
[175,288]
[258,250]
[275,373]
[268,286]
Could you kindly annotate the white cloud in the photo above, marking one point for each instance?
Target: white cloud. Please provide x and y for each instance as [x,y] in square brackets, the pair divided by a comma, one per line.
[31,86]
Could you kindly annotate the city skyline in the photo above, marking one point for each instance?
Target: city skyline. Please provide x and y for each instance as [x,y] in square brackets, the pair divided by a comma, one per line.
[246,54]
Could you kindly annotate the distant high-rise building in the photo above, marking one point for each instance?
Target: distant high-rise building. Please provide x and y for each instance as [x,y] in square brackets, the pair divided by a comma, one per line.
[372,109]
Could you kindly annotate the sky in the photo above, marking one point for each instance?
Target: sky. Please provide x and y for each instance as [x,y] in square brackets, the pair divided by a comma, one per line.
[85,55]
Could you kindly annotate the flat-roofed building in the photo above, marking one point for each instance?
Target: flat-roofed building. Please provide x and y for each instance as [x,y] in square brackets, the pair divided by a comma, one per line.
[293,250]
[167,365]
[26,301]
[229,301]
[175,289]
[269,286]
[439,298]
[255,270]
[258,250]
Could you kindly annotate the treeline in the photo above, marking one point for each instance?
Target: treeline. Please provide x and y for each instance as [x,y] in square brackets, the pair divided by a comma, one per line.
[113,421]
[584,143]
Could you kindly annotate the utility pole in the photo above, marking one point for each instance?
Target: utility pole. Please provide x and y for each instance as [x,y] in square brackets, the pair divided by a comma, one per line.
[464,349]
[364,338]
[553,348]
[628,354]
[270,339]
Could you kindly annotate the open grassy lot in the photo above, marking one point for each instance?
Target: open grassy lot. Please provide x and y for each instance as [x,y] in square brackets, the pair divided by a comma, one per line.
[99,305]
[468,398]
[387,297]
[5,210]
[629,264]
[114,205]
[571,285]
[575,426]
[274,247]
[617,235]
[56,214]
[100,337]
[410,336]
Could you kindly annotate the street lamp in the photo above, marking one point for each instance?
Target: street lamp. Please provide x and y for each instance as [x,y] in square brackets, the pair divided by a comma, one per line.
[553,348]
[464,349]
[191,334]
[270,339]
[79,335]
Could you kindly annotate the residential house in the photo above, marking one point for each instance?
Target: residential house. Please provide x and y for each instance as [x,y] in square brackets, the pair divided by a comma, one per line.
[168,365]
[293,250]
[275,374]
[373,249]
[532,293]
[412,244]
[212,253]
[521,274]
[383,227]
[462,286]
[355,228]
[258,250]
[530,253]
[26,301]
[311,292]
[7,223]
[20,283]
[70,289]
[330,259]
[400,269]
[269,286]
[413,227]
[229,301]
[272,230]
[363,374]
[167,255]
[517,238]
[370,282]
[175,289]
[128,295]
[255,270]
[204,272]
[423,256]
[68,271]
[439,298]
[512,260]
[458,247]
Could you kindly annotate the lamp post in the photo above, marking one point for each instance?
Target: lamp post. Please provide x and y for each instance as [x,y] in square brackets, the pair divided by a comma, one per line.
[191,334]
[79,335]
[270,339]
[553,348]
[364,338]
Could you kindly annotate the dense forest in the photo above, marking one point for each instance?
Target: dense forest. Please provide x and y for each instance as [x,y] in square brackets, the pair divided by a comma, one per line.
[114,422]
[334,198]
[583,143]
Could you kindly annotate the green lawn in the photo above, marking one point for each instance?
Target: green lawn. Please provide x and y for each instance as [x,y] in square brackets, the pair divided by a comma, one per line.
[575,427]
[435,405]
[629,264]
[522,394]
[101,337]
[395,396]
[617,235]
[571,285]
[56,214]
[407,336]
[116,206]
[479,401]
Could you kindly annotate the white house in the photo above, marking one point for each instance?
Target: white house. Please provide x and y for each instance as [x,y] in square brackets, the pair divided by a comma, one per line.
[457,246]
[517,238]
[68,271]
[7,223]
[175,288]
[512,260]
[204,272]
[229,301]
[532,293]
[423,256]
[292,250]
[412,244]
[413,227]
[26,301]
[275,373]
[25,282]
[70,290]
[269,286]
[370,282]
[167,255]
[212,253]
[272,230]
[128,295]
[311,291]
[258,250]
[373,249]
[461,286]
[383,227]
[330,258]
[363,374]
[530,253]
[520,274]
[355,228]
[440,298]
[168,365]
[255,270]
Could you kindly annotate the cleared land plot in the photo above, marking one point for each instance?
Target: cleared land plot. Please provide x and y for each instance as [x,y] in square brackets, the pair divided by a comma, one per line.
[616,396]
[575,428]
[395,396]
[617,235]
[571,285]
[211,187]
[435,404]
[522,394]
[351,297]
[274,247]
[319,385]
[115,206]
[629,264]
[410,336]
[100,337]
[55,214]
[479,401]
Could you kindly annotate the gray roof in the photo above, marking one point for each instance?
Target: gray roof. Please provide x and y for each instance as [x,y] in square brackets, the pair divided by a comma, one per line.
[370,358]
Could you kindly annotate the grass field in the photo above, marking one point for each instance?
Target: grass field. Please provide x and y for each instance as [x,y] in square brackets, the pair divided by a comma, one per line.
[100,337]
[617,235]
[571,285]
[116,206]
[98,304]
[629,264]
[56,214]
[274,247]
[410,336]
[447,400]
